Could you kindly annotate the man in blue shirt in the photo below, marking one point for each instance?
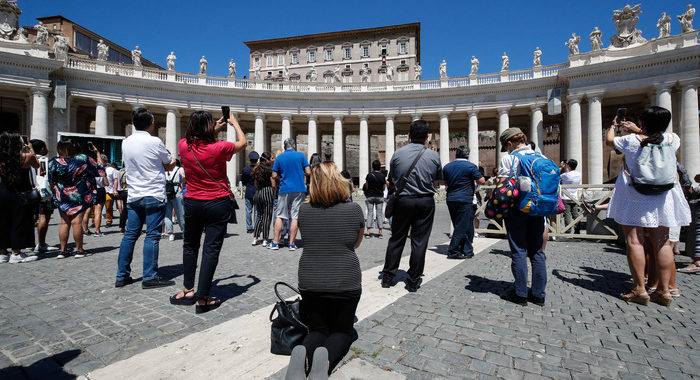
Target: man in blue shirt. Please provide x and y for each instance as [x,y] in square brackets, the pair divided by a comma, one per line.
[289,170]
[460,178]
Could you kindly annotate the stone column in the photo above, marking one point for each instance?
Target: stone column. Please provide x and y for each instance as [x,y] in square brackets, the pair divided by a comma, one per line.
[690,140]
[595,140]
[171,130]
[444,138]
[663,99]
[503,124]
[364,149]
[573,132]
[536,127]
[110,122]
[260,134]
[101,121]
[416,116]
[231,166]
[474,137]
[338,146]
[389,137]
[135,107]
[73,117]
[312,140]
[286,128]
[40,114]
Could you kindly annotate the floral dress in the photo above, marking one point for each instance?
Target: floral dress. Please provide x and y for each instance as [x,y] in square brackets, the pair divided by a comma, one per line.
[73,182]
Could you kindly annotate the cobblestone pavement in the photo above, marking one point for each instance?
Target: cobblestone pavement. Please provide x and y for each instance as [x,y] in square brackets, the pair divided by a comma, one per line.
[61,318]
[456,326]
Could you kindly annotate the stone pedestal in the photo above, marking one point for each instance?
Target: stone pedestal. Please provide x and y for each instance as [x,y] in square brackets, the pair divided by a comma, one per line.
[537,72]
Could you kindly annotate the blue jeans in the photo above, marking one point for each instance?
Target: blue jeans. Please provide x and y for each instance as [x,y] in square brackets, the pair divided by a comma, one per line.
[462,215]
[525,239]
[147,210]
[178,205]
[249,214]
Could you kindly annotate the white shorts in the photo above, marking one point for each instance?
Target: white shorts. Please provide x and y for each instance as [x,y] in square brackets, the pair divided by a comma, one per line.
[288,205]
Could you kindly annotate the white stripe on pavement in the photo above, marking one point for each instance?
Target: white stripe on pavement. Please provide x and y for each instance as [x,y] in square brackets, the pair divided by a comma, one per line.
[240,348]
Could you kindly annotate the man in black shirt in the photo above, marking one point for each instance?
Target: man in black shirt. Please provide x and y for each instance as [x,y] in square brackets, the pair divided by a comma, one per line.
[415,207]
[247,179]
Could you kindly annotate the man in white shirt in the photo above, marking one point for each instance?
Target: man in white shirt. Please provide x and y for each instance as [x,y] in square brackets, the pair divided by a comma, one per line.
[570,177]
[147,160]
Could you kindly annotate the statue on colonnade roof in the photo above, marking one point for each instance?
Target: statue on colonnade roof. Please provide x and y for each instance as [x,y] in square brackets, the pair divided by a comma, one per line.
[596,40]
[686,19]
[474,66]
[573,44]
[42,34]
[664,25]
[171,61]
[626,20]
[9,18]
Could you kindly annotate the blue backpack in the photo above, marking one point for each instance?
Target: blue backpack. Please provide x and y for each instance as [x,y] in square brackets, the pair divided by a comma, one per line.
[539,184]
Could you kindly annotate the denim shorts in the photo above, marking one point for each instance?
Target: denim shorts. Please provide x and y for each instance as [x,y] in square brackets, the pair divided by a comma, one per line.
[288,205]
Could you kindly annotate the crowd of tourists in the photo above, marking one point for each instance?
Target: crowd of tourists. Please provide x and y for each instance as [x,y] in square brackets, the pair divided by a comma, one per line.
[286,194]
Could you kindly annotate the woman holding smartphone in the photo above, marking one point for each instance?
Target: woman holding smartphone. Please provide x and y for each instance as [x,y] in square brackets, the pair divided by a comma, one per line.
[207,203]
[17,221]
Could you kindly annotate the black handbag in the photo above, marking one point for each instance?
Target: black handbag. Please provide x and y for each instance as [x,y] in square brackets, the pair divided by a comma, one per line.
[287,329]
[233,205]
[29,197]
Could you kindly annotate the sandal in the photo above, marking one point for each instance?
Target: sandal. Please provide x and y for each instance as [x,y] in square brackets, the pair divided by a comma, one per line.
[212,303]
[675,292]
[695,269]
[184,300]
[661,299]
[639,297]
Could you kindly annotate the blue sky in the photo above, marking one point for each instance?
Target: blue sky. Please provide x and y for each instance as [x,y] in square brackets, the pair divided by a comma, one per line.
[450,30]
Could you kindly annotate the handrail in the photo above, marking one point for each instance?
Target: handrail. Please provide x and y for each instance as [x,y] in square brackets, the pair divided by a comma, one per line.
[120,69]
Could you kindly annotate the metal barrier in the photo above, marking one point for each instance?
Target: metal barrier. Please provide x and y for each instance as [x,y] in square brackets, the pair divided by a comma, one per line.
[597,194]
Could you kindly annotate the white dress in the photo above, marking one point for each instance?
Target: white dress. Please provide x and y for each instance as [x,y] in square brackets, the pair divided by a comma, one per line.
[630,208]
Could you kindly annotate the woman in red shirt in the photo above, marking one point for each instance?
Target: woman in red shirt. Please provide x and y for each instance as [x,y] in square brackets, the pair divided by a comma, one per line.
[206,203]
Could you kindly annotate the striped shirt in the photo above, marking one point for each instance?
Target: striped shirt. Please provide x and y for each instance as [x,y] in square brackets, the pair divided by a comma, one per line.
[328,262]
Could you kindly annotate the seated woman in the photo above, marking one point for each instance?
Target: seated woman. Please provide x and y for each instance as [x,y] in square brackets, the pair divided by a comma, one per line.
[329,270]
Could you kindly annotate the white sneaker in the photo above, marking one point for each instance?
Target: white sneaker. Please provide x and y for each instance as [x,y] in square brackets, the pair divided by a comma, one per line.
[265,243]
[255,242]
[21,258]
[30,257]
[4,258]
[171,237]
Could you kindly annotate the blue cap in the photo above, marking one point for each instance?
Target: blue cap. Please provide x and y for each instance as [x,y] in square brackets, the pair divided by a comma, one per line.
[253,155]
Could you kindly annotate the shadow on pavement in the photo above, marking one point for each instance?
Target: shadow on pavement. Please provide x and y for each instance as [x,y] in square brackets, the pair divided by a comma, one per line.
[599,280]
[501,252]
[169,272]
[232,290]
[47,368]
[480,284]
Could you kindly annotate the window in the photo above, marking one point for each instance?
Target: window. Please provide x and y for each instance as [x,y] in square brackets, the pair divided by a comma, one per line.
[403,47]
[365,51]
[294,58]
[329,54]
[311,56]
[383,49]
[270,60]
[280,59]
[347,53]
[256,62]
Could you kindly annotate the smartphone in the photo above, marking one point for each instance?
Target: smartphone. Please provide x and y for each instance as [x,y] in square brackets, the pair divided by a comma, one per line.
[42,168]
[226,111]
[91,146]
[621,113]
[25,140]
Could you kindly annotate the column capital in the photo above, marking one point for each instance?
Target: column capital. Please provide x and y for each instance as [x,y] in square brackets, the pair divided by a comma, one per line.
[135,106]
[389,117]
[102,102]
[260,115]
[364,118]
[416,116]
[338,117]
[444,114]
[473,113]
[688,83]
[594,97]
[40,91]
[286,116]
[171,109]
[503,110]
[535,107]
[662,87]
[312,117]
[573,98]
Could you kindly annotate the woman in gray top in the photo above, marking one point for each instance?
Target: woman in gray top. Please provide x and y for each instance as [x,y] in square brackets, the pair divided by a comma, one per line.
[329,271]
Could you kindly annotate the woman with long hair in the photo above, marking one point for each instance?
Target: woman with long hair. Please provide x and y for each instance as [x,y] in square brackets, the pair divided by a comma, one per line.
[207,203]
[72,175]
[646,219]
[263,199]
[329,270]
[17,218]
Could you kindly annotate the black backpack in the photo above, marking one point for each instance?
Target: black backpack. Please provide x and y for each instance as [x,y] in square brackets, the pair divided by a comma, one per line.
[171,187]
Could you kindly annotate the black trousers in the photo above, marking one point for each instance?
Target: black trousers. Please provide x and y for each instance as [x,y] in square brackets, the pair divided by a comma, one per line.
[210,217]
[330,322]
[123,195]
[264,201]
[416,214]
